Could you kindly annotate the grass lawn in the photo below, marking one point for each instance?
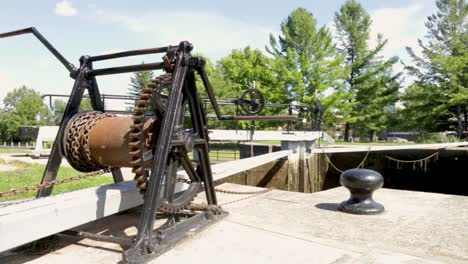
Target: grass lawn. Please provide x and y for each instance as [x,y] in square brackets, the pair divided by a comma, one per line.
[27,174]
[271,142]
[221,155]
[224,155]
[12,150]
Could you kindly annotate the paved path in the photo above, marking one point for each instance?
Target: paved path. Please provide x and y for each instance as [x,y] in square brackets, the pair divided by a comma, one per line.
[24,157]
[290,227]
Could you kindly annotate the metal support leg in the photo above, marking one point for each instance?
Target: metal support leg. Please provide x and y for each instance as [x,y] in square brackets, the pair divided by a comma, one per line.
[145,243]
[55,158]
[200,126]
[98,104]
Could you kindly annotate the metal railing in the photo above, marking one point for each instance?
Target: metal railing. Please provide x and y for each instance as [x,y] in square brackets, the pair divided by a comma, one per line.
[17,145]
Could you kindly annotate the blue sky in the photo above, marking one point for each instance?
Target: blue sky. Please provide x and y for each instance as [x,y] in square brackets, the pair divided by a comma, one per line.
[96,27]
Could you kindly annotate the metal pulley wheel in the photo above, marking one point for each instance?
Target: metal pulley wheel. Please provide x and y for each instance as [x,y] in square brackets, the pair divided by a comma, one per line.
[252,101]
[153,102]
[160,96]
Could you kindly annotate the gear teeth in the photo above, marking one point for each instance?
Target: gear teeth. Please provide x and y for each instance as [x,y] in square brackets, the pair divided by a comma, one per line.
[142,186]
[137,121]
[145,96]
[139,112]
[134,135]
[135,162]
[140,103]
[133,139]
[135,145]
[137,142]
[135,153]
[138,170]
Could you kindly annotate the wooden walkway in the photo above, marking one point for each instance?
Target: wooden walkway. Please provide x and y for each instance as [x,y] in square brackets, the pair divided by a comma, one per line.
[372,148]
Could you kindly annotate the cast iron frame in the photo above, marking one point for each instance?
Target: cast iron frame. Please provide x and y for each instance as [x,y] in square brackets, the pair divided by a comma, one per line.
[178,60]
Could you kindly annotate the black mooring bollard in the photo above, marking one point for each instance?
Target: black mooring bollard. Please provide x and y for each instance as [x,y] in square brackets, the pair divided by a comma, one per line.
[361,183]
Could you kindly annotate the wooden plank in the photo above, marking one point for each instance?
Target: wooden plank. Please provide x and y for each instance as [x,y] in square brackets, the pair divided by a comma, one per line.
[19,221]
[364,148]
[226,169]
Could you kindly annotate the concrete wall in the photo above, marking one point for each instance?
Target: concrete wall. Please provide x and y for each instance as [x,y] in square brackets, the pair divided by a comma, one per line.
[299,172]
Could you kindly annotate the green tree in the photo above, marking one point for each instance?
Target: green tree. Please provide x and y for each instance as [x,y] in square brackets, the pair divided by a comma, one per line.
[59,107]
[422,109]
[138,82]
[370,82]
[57,111]
[306,66]
[244,66]
[442,70]
[86,105]
[23,106]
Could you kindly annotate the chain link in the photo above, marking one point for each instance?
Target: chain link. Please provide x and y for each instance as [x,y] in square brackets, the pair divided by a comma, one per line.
[76,145]
[36,187]
[187,181]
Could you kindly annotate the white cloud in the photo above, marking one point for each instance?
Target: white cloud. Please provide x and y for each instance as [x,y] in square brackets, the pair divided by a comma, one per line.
[65,8]
[401,26]
[212,34]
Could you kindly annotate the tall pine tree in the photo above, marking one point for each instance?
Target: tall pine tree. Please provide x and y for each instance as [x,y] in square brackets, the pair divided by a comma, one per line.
[306,64]
[138,82]
[442,70]
[370,82]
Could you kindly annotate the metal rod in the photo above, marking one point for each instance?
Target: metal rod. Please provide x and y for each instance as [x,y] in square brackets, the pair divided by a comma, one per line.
[55,157]
[108,96]
[124,69]
[130,53]
[214,103]
[98,237]
[266,117]
[70,67]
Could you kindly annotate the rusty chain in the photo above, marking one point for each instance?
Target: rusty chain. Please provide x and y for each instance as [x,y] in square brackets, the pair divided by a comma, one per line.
[187,181]
[76,144]
[217,208]
[36,187]
[201,207]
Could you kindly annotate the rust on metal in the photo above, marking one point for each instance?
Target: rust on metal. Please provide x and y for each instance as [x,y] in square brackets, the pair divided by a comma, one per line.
[109,140]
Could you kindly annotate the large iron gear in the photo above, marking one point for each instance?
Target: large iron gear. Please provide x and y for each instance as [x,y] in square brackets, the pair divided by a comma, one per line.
[152,100]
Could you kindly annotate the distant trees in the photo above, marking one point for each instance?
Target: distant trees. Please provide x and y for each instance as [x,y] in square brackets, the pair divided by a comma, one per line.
[304,65]
[138,82]
[440,90]
[22,106]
